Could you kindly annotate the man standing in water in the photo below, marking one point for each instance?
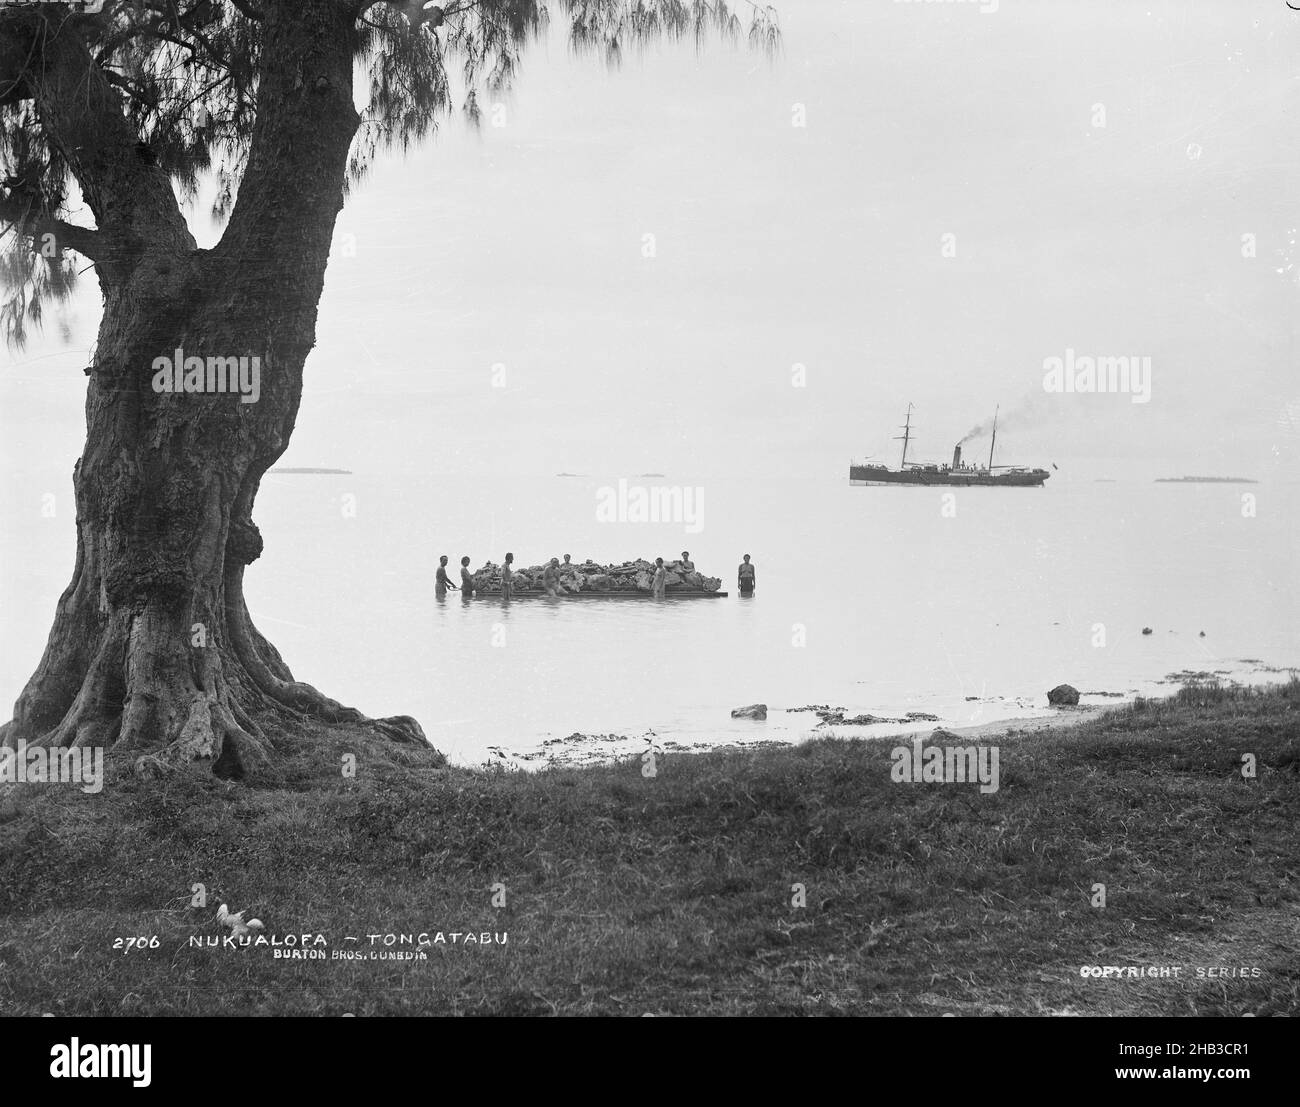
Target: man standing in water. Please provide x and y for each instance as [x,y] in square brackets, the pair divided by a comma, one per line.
[551,577]
[745,577]
[442,584]
[466,581]
[661,575]
[507,577]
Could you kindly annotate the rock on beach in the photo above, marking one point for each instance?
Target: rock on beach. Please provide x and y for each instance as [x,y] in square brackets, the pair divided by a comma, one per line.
[1063,695]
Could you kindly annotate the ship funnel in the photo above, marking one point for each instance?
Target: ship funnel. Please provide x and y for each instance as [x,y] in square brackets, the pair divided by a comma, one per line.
[956,457]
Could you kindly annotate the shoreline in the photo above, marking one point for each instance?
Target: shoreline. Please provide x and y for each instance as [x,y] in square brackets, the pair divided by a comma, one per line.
[1021,724]
[579,750]
[582,748]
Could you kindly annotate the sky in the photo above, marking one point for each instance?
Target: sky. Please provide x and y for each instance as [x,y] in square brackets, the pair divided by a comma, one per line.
[914,203]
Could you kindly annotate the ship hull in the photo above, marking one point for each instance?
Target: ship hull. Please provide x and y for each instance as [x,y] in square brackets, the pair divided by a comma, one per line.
[867,477]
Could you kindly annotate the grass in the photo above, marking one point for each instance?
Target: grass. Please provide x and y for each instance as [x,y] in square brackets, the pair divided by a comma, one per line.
[628,894]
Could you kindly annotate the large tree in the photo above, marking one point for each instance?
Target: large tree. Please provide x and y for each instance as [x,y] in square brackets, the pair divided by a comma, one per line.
[134,108]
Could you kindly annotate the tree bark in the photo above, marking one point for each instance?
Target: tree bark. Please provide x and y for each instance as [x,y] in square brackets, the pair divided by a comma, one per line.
[152,649]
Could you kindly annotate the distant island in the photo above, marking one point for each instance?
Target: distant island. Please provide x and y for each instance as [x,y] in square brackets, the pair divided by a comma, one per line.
[570,474]
[290,469]
[1205,480]
[641,476]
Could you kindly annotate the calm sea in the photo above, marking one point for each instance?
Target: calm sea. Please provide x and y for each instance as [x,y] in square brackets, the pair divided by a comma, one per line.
[877,600]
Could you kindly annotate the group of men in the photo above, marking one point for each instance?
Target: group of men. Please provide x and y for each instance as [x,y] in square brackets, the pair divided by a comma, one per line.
[551,576]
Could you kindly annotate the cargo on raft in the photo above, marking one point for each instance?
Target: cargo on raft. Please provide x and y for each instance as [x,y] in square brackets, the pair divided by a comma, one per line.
[588,580]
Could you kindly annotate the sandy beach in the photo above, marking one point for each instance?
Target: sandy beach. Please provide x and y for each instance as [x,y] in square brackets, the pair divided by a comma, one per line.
[1063,718]
[579,749]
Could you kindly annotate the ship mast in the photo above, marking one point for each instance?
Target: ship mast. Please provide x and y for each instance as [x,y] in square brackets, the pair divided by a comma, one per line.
[995,436]
[905,436]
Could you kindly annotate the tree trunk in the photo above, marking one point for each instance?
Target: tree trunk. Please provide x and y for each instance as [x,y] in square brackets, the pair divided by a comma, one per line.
[152,650]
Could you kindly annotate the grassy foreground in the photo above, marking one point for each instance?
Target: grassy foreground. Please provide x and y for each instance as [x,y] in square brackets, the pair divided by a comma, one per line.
[628,894]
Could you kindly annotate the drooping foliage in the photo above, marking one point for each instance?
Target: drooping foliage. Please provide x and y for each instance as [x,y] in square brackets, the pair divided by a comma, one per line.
[185,73]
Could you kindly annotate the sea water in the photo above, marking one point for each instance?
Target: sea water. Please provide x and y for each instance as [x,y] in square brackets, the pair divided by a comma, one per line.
[967,604]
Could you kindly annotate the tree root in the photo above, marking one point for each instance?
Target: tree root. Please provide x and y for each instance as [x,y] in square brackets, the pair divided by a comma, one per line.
[210,732]
[132,679]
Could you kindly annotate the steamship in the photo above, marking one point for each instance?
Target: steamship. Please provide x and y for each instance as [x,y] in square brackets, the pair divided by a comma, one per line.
[961,473]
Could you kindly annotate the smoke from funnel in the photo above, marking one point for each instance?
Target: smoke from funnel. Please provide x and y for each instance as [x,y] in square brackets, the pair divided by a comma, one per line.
[1031,409]
[979,430]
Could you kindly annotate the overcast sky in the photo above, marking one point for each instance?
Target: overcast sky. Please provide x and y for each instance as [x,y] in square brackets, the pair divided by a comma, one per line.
[522,247]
